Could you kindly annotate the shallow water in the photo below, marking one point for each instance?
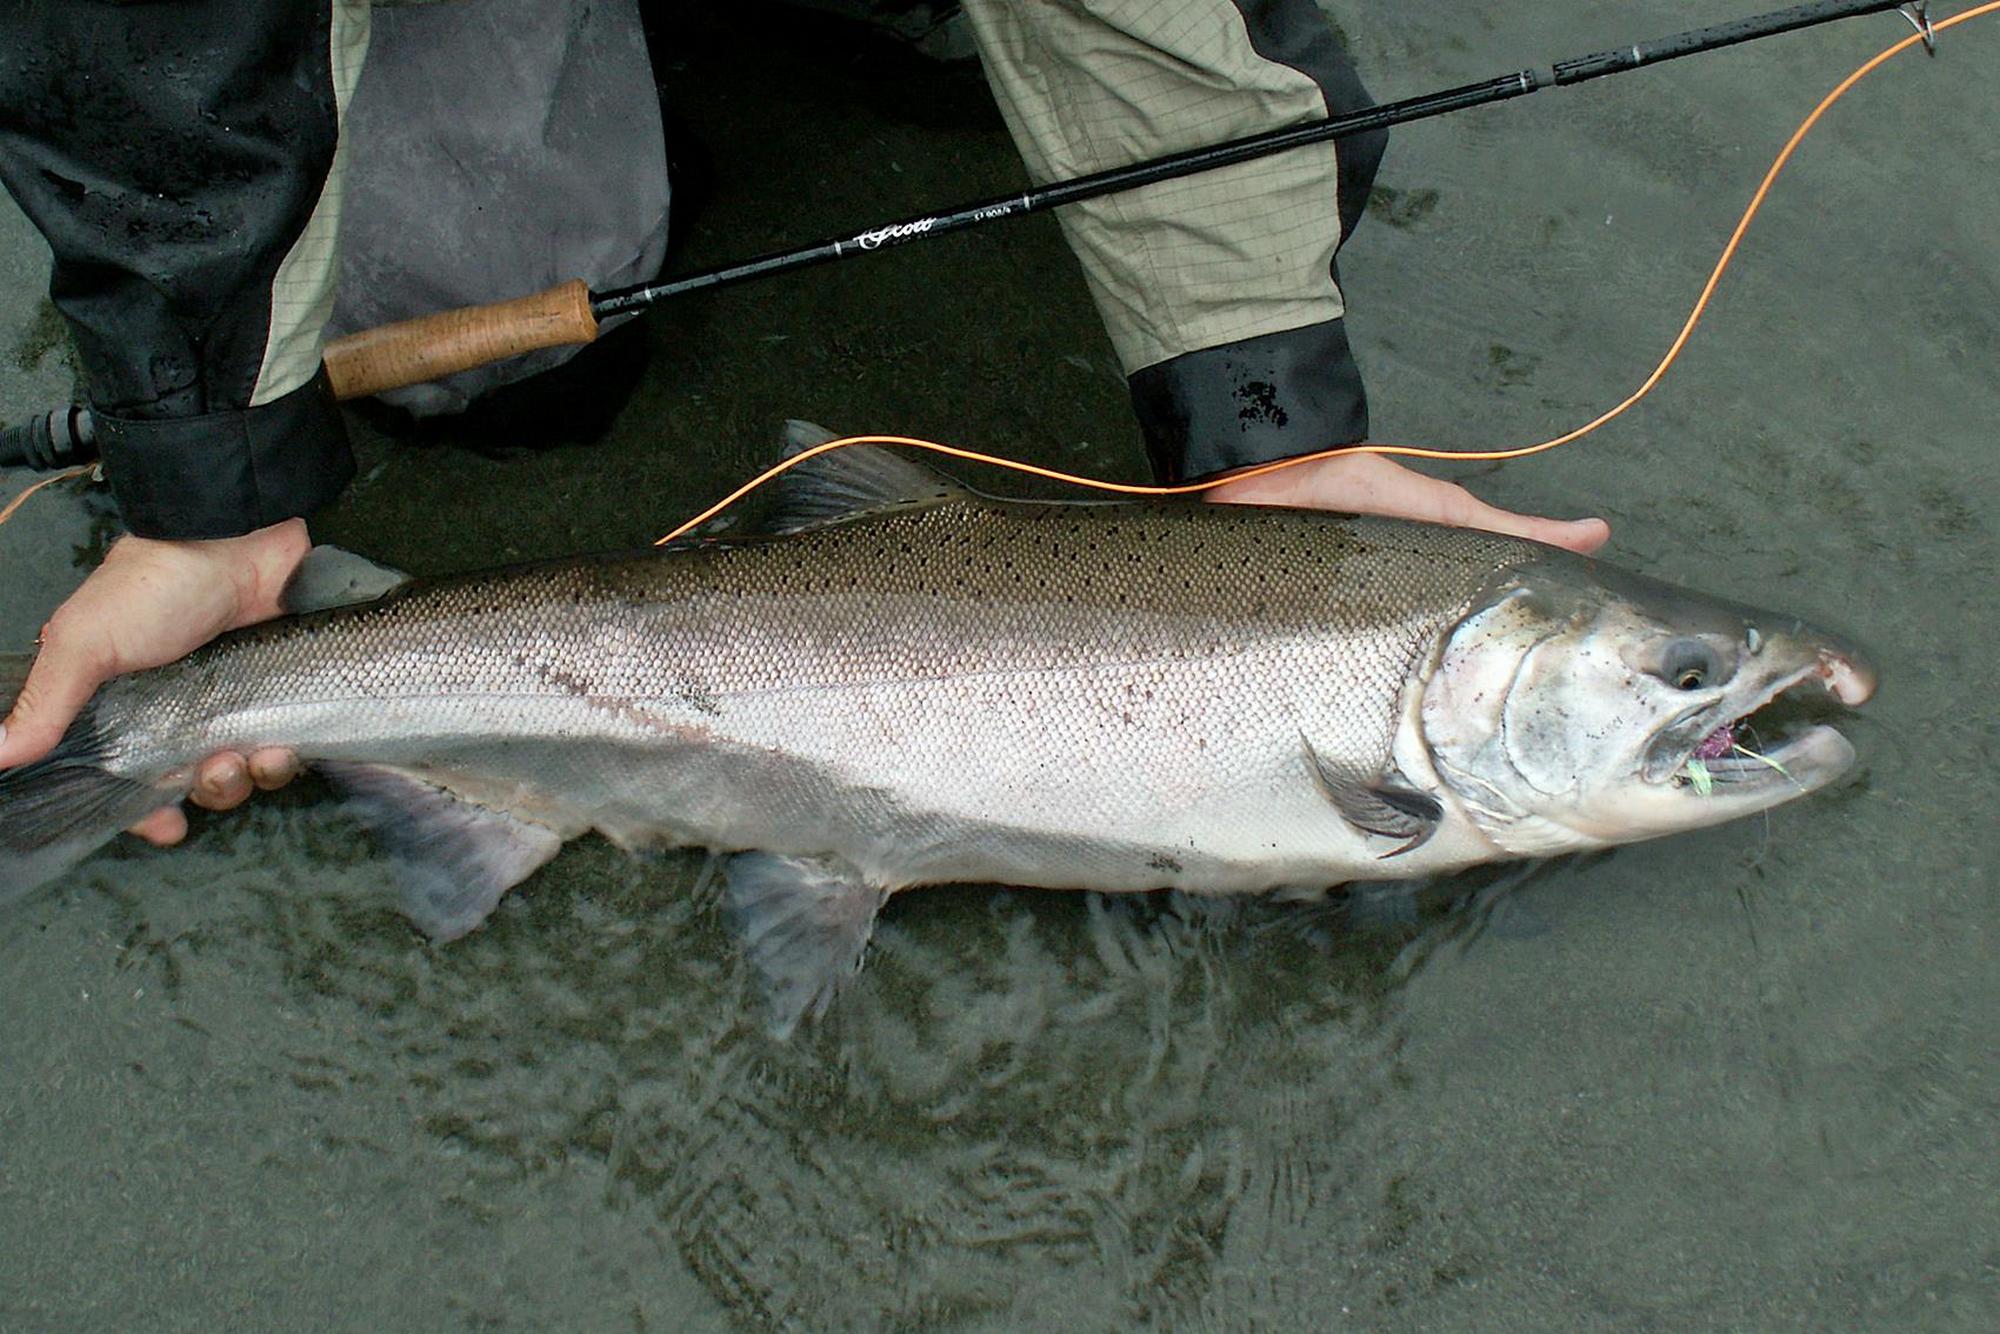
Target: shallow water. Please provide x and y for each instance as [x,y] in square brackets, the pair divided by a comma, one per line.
[1743,1078]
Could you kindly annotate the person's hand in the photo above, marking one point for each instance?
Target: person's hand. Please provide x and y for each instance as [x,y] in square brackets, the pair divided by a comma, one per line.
[1372,484]
[148,604]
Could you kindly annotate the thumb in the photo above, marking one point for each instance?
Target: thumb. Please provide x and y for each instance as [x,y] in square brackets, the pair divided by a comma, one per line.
[65,675]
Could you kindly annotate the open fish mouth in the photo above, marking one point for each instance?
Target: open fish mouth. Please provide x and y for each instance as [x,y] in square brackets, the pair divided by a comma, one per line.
[1777,740]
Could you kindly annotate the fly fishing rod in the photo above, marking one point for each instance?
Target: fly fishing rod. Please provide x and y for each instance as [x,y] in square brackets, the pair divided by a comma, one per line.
[426,348]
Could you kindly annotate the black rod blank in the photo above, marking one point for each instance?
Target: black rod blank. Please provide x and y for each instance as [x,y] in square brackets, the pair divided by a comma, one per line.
[54,440]
[1176,165]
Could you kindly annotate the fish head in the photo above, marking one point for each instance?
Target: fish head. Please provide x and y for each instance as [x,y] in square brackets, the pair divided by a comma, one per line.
[1578,706]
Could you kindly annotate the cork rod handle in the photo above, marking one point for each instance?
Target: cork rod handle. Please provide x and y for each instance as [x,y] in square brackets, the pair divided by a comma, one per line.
[420,350]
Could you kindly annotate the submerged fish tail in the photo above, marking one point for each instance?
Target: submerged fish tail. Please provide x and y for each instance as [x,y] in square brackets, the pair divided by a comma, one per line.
[59,809]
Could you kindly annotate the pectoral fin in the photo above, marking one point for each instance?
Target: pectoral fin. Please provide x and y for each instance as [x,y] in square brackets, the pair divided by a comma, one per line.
[804,922]
[453,857]
[1377,803]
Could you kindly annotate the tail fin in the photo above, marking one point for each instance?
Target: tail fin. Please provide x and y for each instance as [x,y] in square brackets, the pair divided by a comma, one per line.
[61,808]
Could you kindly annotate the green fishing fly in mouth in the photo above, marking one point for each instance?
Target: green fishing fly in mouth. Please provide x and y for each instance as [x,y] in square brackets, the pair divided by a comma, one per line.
[1696,773]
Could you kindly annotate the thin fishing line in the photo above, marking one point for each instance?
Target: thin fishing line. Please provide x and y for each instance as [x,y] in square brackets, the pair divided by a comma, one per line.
[64,476]
[1404,451]
[1806,126]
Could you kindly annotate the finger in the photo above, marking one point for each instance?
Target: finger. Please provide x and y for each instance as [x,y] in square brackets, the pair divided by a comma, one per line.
[222,782]
[1386,487]
[66,674]
[163,828]
[1582,536]
[1579,535]
[272,767]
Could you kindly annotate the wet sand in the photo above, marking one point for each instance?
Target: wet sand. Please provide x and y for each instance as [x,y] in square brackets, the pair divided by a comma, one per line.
[1743,1078]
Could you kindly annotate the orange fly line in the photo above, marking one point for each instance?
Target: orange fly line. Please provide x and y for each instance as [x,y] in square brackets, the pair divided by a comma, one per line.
[1405,451]
[65,475]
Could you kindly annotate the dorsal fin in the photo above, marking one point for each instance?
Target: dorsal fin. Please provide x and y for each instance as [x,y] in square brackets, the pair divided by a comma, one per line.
[849,483]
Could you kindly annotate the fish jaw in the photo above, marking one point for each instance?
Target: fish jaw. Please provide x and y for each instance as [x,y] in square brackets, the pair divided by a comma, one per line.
[1578,706]
[1717,777]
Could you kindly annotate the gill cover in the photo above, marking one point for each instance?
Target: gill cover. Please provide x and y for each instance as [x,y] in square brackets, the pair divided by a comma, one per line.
[1506,644]
[1565,707]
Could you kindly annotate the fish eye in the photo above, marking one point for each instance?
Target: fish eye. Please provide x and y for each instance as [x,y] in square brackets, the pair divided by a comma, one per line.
[1690,664]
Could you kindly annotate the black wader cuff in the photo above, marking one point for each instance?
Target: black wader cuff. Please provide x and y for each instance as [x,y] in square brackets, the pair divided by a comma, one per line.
[223,474]
[1218,408]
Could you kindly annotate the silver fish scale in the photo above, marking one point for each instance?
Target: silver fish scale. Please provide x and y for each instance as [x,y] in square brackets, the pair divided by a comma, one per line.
[1084,672]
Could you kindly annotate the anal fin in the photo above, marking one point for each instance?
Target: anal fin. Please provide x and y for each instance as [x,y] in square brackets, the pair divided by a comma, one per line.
[454,857]
[804,922]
